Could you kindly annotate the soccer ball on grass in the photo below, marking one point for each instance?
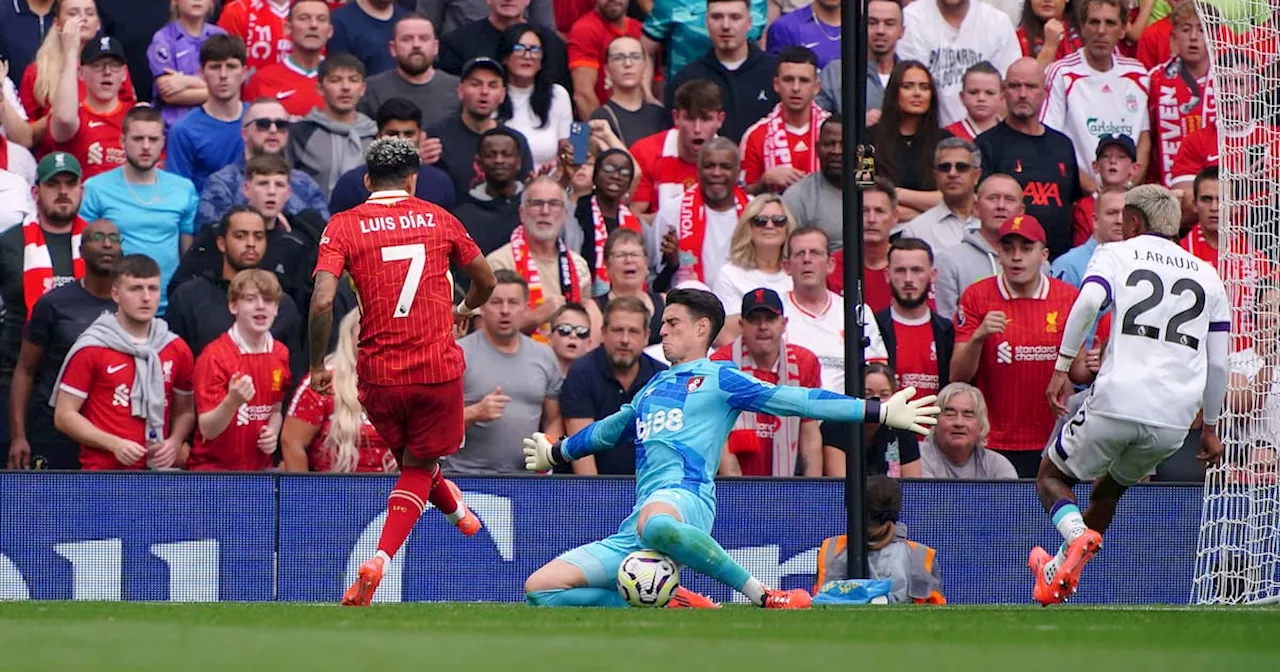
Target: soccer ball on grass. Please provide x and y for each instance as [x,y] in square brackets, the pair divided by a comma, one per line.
[648,579]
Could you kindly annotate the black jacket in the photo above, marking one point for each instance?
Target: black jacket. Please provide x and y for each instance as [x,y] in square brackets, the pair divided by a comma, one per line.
[481,38]
[748,91]
[944,337]
[291,255]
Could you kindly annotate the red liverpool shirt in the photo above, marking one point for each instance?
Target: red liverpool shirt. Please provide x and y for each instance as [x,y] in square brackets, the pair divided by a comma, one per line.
[316,410]
[397,249]
[236,448]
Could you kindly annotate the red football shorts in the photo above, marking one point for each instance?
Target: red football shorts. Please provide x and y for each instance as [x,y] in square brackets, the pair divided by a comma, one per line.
[425,420]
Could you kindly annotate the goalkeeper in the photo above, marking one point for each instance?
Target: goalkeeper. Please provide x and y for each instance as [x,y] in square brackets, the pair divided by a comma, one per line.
[679,422]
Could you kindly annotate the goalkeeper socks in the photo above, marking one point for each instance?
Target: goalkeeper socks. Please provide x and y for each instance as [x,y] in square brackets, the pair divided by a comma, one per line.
[404,506]
[575,597]
[442,498]
[695,549]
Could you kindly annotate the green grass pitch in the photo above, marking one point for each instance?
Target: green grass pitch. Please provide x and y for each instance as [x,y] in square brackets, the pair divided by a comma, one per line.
[464,637]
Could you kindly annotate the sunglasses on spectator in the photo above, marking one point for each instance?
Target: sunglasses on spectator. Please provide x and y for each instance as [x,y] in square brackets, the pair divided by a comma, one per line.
[765,220]
[610,169]
[266,124]
[99,236]
[527,50]
[960,166]
[570,330]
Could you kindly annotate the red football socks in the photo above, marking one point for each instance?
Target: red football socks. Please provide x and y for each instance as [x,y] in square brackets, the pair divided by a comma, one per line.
[443,499]
[405,505]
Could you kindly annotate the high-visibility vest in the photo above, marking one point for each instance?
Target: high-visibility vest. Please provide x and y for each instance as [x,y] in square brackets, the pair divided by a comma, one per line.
[913,567]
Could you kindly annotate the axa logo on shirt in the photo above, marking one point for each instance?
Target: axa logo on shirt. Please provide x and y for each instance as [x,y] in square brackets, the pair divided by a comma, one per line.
[256,413]
[1100,127]
[120,396]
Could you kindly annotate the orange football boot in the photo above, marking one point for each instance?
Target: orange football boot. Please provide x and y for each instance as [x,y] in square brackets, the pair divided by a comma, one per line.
[684,598]
[470,524]
[360,594]
[1043,592]
[1079,552]
[797,598]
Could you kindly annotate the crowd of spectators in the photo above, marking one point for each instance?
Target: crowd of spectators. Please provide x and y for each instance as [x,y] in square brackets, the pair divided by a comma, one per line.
[183,166]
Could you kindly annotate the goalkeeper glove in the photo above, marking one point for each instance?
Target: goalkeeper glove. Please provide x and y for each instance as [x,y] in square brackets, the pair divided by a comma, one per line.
[900,412]
[540,454]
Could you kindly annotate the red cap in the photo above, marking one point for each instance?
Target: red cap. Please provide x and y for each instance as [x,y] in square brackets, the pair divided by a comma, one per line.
[1026,226]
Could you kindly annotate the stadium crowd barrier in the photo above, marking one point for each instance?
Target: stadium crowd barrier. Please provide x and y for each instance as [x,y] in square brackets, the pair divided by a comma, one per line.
[254,537]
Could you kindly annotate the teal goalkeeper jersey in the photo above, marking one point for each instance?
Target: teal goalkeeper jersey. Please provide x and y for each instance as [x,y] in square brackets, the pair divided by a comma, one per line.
[679,422]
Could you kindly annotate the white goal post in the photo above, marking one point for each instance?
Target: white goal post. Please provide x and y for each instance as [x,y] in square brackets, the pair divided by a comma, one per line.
[1238,551]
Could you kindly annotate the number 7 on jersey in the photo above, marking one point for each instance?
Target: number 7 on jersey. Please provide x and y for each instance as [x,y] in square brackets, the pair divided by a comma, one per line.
[416,255]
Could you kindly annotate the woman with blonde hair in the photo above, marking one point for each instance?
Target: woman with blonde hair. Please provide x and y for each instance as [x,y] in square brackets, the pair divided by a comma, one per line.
[329,432]
[174,57]
[40,79]
[756,251]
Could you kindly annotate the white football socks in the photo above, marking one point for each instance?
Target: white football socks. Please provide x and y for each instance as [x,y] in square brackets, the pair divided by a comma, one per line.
[754,590]
[458,514]
[1071,525]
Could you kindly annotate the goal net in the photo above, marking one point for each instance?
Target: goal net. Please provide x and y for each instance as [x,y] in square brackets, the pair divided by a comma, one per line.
[1238,556]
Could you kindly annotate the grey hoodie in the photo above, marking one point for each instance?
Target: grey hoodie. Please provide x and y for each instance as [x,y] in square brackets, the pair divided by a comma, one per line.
[326,149]
[960,266]
[147,399]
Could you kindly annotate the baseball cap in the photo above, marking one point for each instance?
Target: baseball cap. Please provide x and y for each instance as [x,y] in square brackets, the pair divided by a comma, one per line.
[1025,226]
[57,163]
[102,47]
[486,63]
[1122,141]
[761,299]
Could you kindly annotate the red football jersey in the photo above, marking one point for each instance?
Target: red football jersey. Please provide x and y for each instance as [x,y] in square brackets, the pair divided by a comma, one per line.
[294,87]
[754,450]
[664,175]
[1261,157]
[260,24]
[236,448]
[753,150]
[36,109]
[917,356]
[316,409]
[1177,109]
[964,129]
[397,249]
[98,144]
[1016,365]
[588,41]
[103,378]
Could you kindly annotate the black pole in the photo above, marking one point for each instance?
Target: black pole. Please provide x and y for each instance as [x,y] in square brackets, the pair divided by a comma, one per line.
[853,56]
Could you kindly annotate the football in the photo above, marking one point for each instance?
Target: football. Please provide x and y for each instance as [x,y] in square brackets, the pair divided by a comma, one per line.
[648,579]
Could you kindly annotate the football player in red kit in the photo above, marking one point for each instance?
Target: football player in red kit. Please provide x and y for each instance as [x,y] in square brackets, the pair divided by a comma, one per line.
[397,250]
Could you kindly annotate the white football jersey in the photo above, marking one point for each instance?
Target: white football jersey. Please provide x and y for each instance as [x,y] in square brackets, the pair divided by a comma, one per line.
[1166,303]
[823,335]
[1085,104]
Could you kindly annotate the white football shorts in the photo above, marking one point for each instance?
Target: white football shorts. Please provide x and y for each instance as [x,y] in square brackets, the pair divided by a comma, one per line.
[1089,445]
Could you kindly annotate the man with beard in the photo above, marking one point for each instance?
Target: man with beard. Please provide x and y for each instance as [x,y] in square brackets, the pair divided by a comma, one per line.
[292,81]
[589,41]
[605,379]
[265,131]
[40,255]
[919,341]
[767,445]
[57,320]
[1041,159]
[331,140]
[396,118]
[555,274]
[482,88]
[491,210]
[200,312]
[415,78]
[155,209]
[818,198]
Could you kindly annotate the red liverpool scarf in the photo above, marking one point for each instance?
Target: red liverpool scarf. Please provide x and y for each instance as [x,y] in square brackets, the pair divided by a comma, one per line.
[626,220]
[37,264]
[777,146]
[528,270]
[693,228]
